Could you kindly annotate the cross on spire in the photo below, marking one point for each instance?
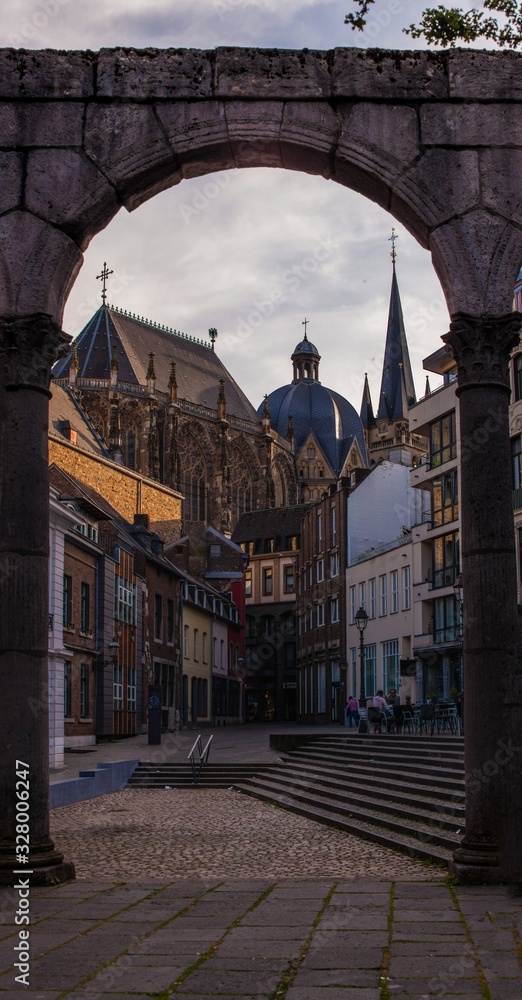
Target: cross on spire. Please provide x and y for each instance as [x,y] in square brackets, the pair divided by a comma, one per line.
[304,323]
[104,275]
[392,239]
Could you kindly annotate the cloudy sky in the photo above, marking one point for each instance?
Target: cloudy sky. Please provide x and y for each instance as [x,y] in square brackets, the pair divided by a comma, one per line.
[216,250]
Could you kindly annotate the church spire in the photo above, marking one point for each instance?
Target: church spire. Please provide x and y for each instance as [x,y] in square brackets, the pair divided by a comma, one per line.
[367,416]
[397,389]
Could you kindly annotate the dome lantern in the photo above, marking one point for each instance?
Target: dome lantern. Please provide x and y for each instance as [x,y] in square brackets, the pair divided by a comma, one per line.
[306,359]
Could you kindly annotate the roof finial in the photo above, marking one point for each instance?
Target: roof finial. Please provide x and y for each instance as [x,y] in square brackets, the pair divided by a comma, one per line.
[392,239]
[104,275]
[151,374]
[304,323]
[213,335]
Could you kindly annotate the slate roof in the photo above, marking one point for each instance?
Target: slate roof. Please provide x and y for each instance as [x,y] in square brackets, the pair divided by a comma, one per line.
[274,522]
[367,415]
[397,387]
[198,367]
[62,409]
[326,414]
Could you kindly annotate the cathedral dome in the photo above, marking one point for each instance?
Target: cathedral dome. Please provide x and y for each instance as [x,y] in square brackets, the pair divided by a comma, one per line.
[306,407]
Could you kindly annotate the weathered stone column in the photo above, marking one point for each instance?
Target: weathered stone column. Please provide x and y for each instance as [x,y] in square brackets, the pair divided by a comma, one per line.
[491,849]
[28,347]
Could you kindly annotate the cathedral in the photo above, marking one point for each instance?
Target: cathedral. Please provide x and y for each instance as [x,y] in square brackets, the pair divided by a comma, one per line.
[163,404]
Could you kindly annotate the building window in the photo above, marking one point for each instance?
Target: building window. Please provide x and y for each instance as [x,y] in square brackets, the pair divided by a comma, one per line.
[67,602]
[394,591]
[289,579]
[446,559]
[158,615]
[373,598]
[334,526]
[185,641]
[517,366]
[319,532]
[390,664]
[170,620]
[319,570]
[362,595]
[117,687]
[67,690]
[222,654]
[334,564]
[248,583]
[131,689]
[204,639]
[321,687]
[443,440]
[85,607]
[445,506]
[84,691]
[406,588]
[516,462]
[353,602]
[383,595]
[267,581]
[446,625]
[334,609]
[125,593]
[195,656]
[320,615]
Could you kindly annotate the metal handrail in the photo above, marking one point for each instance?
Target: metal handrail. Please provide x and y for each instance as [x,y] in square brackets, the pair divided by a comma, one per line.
[197,766]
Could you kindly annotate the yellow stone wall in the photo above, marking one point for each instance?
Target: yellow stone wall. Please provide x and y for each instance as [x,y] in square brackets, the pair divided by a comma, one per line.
[127,491]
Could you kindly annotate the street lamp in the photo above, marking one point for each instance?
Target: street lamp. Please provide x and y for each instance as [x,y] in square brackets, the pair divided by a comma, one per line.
[361,621]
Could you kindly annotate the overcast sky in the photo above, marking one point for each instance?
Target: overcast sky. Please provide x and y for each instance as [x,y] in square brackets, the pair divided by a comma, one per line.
[214,251]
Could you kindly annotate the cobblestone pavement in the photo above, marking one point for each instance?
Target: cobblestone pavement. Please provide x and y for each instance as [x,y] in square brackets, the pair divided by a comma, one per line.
[202,894]
[204,833]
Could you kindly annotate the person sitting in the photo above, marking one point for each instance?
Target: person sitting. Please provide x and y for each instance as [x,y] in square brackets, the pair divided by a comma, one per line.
[379,701]
[387,717]
[393,697]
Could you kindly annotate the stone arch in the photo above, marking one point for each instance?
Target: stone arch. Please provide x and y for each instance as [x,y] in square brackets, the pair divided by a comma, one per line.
[432,137]
[132,415]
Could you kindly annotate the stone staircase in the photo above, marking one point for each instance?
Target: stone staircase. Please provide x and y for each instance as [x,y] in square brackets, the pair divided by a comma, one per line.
[181,775]
[404,792]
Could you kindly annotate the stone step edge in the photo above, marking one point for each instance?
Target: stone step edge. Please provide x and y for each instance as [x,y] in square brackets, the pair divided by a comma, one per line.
[384,764]
[402,844]
[368,775]
[435,778]
[411,810]
[432,833]
[386,753]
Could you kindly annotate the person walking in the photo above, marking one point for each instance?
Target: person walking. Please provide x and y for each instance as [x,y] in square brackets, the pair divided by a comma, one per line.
[353,711]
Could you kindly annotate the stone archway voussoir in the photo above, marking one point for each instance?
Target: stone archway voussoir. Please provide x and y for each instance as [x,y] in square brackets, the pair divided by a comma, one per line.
[254,128]
[443,184]
[477,257]
[38,265]
[500,176]
[127,144]
[309,136]
[11,181]
[68,191]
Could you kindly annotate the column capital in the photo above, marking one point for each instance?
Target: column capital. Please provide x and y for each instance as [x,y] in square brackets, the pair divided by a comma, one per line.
[481,346]
[29,346]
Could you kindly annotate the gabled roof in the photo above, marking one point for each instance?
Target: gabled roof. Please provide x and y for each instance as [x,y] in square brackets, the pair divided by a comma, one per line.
[397,387]
[132,338]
